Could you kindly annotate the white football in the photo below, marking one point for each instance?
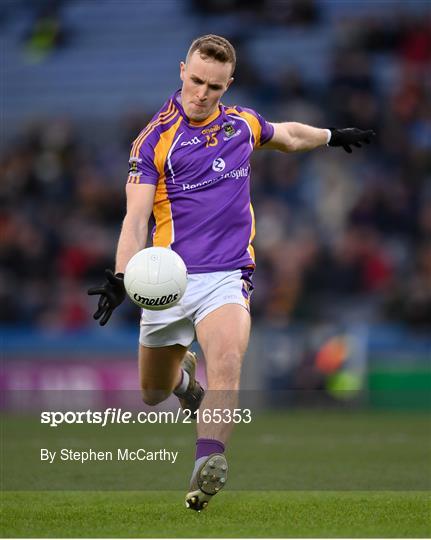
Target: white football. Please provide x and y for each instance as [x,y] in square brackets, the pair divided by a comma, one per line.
[155,278]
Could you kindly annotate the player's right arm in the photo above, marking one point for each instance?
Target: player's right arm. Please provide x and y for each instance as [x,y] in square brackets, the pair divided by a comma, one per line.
[141,186]
[133,237]
[134,231]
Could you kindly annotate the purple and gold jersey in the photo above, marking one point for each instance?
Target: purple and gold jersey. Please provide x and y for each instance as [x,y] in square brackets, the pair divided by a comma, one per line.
[202,206]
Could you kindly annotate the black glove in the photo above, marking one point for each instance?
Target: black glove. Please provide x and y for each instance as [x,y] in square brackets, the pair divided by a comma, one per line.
[112,293]
[350,136]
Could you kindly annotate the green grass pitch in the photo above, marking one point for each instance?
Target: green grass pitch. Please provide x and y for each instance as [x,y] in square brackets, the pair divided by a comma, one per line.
[320,474]
[232,514]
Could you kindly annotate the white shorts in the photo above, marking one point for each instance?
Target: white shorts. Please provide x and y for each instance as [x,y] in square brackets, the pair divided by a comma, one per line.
[204,293]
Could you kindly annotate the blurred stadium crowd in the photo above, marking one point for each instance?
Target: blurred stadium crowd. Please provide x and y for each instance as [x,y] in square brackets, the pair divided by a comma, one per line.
[339,237]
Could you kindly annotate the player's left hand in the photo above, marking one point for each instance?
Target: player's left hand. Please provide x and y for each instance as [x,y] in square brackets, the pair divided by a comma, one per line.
[348,137]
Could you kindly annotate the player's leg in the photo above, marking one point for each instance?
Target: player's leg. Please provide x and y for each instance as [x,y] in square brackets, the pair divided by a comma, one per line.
[165,364]
[163,370]
[160,371]
[223,335]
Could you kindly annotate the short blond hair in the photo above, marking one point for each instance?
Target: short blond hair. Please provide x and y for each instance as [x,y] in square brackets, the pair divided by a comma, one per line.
[216,47]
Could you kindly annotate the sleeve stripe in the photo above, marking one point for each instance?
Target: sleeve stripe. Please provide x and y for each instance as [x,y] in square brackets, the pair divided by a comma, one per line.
[253,122]
[173,116]
[137,180]
[134,179]
[161,117]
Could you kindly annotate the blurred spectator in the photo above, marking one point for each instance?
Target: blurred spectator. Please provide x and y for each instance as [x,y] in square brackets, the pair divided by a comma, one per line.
[410,300]
[47,32]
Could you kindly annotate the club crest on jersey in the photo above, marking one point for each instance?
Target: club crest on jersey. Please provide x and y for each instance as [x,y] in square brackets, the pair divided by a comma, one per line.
[230,131]
[133,166]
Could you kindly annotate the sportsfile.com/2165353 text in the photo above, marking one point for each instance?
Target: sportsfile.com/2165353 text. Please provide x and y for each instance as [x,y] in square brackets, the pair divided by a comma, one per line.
[111,416]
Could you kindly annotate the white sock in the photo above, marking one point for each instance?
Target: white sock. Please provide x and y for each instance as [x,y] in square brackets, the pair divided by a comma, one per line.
[182,387]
